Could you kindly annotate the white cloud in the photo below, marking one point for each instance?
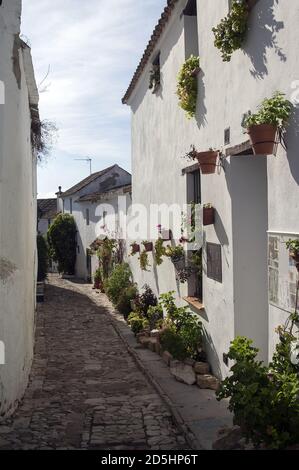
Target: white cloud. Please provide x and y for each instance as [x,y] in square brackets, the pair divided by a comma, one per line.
[93,48]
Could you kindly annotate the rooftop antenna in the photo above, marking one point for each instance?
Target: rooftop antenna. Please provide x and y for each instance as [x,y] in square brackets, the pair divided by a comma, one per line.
[87,159]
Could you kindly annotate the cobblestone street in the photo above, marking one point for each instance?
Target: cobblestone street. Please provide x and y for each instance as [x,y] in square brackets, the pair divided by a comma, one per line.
[85,390]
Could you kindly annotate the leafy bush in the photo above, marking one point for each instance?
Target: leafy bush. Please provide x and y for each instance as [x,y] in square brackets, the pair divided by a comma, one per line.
[172,342]
[62,242]
[125,298]
[265,401]
[118,281]
[155,317]
[137,322]
[187,86]
[293,246]
[187,326]
[275,111]
[231,31]
[43,258]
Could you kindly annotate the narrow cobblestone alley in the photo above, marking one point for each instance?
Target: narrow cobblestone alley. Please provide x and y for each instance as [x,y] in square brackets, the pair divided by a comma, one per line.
[85,389]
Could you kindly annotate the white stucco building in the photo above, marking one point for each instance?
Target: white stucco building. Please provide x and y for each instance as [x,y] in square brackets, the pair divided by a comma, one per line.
[94,203]
[248,280]
[17,208]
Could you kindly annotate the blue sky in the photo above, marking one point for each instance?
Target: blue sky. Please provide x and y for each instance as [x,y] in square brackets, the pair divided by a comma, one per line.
[92,49]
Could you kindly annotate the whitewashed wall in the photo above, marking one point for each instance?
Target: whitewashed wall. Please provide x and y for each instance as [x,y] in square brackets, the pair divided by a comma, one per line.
[254,193]
[17,213]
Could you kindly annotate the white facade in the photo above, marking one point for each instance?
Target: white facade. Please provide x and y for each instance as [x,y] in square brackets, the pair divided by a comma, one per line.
[17,209]
[91,207]
[252,195]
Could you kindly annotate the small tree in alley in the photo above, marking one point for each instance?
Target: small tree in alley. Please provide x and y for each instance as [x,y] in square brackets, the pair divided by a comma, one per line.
[62,243]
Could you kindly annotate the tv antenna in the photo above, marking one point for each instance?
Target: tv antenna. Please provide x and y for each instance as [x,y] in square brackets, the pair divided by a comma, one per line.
[87,159]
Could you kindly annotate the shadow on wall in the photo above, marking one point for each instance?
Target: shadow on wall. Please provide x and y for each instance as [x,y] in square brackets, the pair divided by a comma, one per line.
[212,354]
[201,109]
[265,28]
[292,141]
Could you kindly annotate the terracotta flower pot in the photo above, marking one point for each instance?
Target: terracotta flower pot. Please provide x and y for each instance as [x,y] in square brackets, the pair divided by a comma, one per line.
[207,161]
[135,248]
[148,246]
[263,139]
[208,216]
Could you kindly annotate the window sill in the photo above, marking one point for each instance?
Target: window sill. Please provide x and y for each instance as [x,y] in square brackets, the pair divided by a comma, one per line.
[194,302]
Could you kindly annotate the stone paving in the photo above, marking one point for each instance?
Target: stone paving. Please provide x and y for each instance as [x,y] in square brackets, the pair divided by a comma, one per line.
[85,390]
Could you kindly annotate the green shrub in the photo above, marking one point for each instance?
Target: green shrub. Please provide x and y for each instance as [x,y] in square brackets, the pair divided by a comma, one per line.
[187,86]
[186,324]
[43,258]
[172,342]
[265,401]
[230,33]
[118,281]
[123,304]
[137,322]
[155,317]
[62,236]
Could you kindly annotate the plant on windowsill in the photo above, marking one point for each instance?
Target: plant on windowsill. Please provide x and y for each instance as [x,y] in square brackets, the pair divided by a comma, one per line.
[148,246]
[230,33]
[155,78]
[187,87]
[208,215]
[159,251]
[143,260]
[270,120]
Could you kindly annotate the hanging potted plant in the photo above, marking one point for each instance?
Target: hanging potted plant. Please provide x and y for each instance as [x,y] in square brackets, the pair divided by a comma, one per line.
[159,251]
[187,86]
[177,256]
[208,214]
[148,246]
[143,260]
[207,160]
[293,247]
[267,125]
[135,248]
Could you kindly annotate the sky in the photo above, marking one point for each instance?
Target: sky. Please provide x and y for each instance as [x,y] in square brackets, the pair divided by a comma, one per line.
[91,50]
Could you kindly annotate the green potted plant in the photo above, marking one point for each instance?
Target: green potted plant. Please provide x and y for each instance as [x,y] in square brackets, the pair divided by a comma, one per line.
[230,33]
[175,253]
[159,251]
[135,248]
[143,260]
[148,246]
[187,86]
[208,215]
[263,126]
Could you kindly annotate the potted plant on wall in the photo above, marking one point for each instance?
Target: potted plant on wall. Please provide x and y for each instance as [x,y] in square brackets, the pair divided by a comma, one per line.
[143,260]
[159,251]
[207,160]
[148,246]
[187,86]
[135,248]
[208,214]
[264,126]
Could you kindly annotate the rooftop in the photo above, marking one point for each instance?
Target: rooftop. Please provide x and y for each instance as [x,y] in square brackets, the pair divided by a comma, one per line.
[47,208]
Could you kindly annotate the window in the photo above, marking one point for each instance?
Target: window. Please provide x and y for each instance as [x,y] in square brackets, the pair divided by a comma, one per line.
[214,262]
[155,74]
[71,205]
[190,29]
[87,216]
[194,195]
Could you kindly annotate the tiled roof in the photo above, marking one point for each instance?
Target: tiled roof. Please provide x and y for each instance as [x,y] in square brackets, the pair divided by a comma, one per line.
[47,208]
[150,47]
[86,181]
[126,188]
